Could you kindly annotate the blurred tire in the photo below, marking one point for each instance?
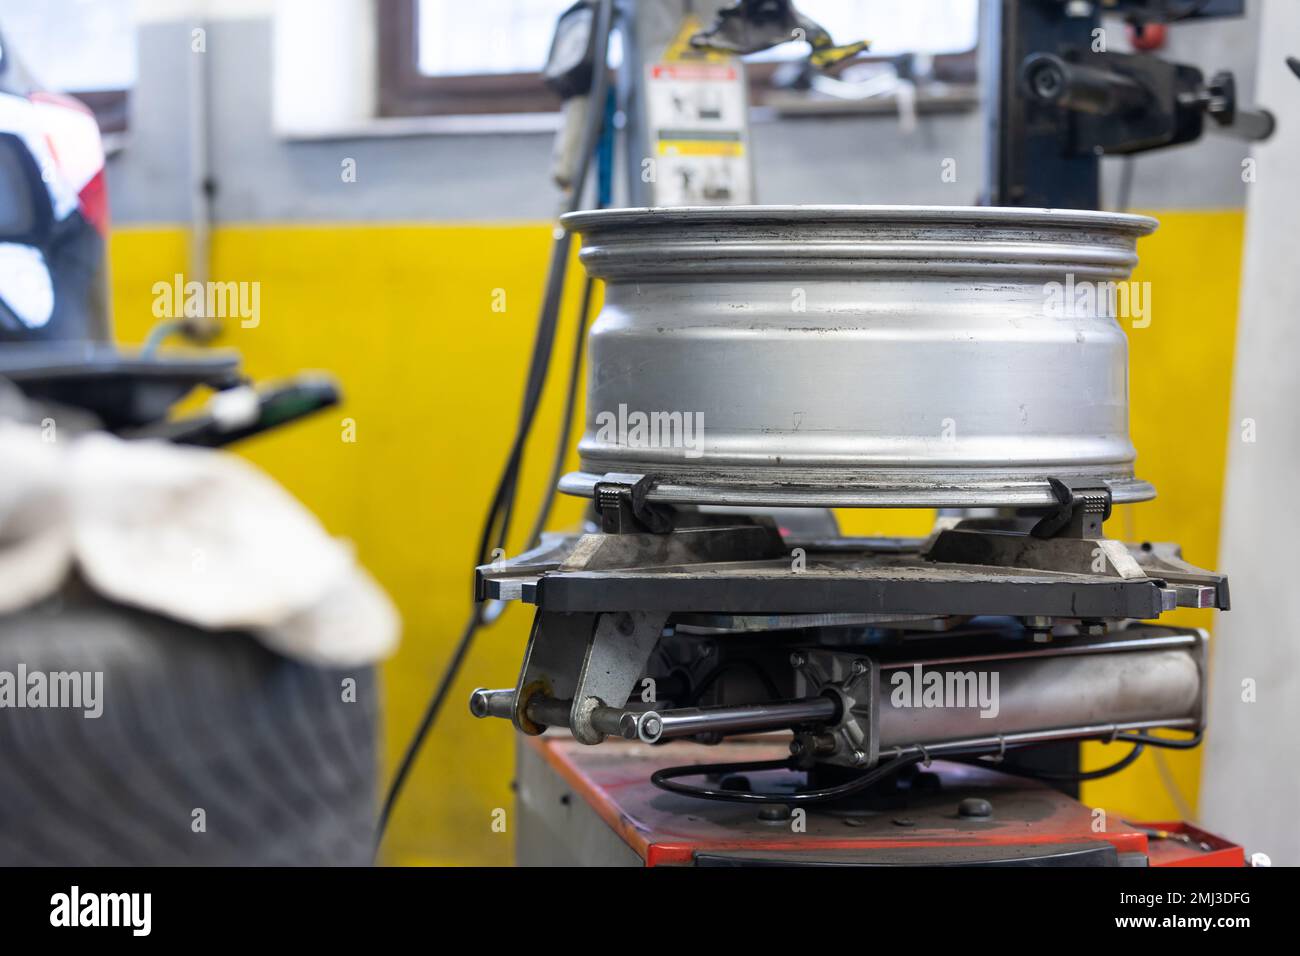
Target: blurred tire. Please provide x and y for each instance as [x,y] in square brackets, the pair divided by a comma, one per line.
[210,749]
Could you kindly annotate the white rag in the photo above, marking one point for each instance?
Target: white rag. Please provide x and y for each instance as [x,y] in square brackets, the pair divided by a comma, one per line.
[198,535]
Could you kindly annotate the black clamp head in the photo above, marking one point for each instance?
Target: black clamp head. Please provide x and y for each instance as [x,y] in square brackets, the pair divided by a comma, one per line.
[621,504]
[1079,512]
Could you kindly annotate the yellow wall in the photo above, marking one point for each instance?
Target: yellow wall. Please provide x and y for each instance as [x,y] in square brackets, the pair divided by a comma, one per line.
[402,315]
[1180,385]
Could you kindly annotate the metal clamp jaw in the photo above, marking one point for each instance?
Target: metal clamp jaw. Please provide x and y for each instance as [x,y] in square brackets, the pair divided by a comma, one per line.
[620,502]
[1079,512]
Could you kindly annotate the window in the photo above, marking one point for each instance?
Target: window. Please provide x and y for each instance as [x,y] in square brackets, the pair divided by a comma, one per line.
[82,47]
[450,56]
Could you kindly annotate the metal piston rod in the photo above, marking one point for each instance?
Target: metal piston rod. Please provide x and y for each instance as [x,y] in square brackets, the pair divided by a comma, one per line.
[550,712]
[854,707]
[651,726]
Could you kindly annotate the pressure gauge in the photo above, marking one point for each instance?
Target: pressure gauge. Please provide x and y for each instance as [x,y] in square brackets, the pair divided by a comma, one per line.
[568,69]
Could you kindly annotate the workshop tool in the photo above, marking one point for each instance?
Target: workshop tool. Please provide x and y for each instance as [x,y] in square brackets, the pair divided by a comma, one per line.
[958,358]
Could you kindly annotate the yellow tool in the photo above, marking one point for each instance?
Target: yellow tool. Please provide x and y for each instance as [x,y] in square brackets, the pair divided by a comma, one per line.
[754,25]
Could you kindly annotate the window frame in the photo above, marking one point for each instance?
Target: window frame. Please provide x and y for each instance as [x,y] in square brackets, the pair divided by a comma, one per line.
[405,91]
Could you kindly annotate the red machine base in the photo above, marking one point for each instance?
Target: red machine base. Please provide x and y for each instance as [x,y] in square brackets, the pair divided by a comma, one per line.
[596,805]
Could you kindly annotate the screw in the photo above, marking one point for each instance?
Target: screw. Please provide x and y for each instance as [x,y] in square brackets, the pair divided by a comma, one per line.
[797,659]
[860,667]
[859,758]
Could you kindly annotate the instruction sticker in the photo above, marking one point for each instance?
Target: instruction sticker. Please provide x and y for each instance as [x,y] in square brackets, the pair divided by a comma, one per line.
[698,105]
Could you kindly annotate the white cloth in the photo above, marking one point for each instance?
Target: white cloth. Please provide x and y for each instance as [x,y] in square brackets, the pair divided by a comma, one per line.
[198,535]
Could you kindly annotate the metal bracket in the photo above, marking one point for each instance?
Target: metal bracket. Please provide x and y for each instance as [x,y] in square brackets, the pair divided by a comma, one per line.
[556,647]
[853,680]
[615,657]
[983,545]
[587,661]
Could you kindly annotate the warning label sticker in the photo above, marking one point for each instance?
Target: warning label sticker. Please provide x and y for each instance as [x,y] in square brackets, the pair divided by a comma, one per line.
[697,105]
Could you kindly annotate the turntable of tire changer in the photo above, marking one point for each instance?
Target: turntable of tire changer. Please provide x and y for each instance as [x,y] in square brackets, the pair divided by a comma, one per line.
[713,598]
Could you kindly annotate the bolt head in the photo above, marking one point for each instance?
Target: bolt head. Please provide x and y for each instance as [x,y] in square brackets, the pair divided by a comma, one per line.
[797,659]
[478,703]
[652,726]
[859,758]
